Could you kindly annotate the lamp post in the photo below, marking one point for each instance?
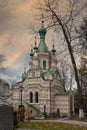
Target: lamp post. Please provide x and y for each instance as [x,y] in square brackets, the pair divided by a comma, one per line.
[21,108]
[50,97]
[21,91]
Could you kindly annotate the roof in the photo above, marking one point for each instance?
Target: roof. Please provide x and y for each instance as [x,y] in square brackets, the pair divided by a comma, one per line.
[42,74]
[62,94]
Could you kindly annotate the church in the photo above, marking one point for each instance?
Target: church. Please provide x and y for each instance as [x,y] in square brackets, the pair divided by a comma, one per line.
[42,87]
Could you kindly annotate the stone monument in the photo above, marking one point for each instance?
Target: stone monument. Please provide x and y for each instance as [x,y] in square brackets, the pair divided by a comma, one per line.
[6,109]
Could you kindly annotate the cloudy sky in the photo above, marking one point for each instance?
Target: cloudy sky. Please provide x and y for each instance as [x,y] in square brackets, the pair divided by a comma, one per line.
[16,37]
[16,16]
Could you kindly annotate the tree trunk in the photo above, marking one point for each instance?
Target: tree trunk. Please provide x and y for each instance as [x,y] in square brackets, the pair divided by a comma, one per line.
[81,111]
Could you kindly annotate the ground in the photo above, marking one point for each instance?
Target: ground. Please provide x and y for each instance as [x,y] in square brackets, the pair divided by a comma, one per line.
[52,125]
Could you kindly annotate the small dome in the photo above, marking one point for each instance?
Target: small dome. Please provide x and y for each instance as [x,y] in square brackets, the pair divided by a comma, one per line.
[35,48]
[31,54]
[53,50]
[24,76]
[52,72]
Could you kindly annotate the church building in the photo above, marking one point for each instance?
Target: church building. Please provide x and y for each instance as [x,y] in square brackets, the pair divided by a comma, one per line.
[42,87]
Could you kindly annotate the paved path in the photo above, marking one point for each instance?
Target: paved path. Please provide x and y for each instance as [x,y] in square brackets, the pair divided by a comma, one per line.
[80,123]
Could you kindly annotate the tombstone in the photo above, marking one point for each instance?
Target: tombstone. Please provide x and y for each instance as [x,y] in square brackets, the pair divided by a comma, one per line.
[21,113]
[15,120]
[58,113]
[6,118]
[6,109]
[44,113]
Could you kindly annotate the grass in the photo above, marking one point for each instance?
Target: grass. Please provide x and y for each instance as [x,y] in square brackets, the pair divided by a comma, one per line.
[50,126]
[76,117]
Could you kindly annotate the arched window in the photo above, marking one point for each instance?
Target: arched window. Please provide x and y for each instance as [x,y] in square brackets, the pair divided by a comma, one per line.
[44,64]
[31,97]
[36,97]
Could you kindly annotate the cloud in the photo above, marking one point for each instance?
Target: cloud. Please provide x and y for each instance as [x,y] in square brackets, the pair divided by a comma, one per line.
[15,15]
[15,41]
[14,72]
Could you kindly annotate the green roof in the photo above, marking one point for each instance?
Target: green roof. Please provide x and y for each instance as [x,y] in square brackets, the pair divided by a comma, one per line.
[42,74]
[24,76]
[31,53]
[63,94]
[42,45]
[52,72]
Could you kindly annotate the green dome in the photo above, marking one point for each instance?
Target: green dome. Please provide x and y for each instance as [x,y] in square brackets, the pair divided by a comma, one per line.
[24,76]
[52,72]
[31,54]
[53,50]
[35,48]
[42,74]
[42,30]
[42,45]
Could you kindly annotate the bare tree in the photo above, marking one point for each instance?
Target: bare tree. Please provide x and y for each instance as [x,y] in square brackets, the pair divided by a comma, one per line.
[83,38]
[66,22]
[83,51]
[66,75]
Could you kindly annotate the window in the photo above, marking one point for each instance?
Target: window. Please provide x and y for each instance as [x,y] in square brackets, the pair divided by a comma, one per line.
[31,97]
[44,64]
[36,97]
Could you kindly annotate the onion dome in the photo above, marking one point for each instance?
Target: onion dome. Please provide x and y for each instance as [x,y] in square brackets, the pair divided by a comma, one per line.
[53,49]
[31,54]
[42,32]
[24,75]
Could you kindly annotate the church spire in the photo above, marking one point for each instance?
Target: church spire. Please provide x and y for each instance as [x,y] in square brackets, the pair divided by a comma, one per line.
[53,49]
[35,47]
[31,54]
[42,33]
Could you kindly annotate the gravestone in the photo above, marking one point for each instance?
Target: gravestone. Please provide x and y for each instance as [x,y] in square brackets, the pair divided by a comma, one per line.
[6,109]
[6,118]
[15,120]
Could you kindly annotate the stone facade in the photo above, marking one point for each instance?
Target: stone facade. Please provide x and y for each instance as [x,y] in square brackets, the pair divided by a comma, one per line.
[43,91]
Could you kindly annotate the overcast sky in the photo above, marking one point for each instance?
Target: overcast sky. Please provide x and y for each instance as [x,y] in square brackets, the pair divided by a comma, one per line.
[16,17]
[15,39]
